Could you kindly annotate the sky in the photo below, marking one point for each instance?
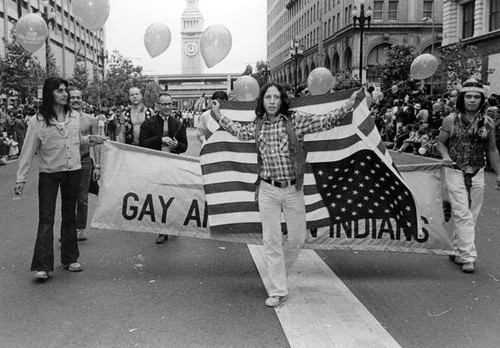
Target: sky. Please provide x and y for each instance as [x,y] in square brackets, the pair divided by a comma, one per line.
[245,19]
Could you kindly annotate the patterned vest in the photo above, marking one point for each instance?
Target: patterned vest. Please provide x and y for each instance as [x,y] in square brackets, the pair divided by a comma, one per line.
[468,145]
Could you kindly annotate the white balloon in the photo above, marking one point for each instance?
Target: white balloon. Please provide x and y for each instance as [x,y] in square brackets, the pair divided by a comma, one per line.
[92,13]
[157,39]
[31,32]
[246,88]
[319,81]
[215,44]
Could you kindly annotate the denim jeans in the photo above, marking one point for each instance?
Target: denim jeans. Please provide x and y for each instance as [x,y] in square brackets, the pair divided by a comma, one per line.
[279,256]
[48,187]
[464,215]
[82,205]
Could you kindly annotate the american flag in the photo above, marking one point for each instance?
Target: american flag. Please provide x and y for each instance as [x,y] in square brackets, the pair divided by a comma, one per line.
[351,176]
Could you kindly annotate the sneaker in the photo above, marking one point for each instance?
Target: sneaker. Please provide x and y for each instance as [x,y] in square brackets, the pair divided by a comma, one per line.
[162,238]
[42,275]
[81,235]
[72,267]
[275,301]
[468,267]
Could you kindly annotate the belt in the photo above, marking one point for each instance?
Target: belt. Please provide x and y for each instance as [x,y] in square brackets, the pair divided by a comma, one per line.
[280,183]
[85,155]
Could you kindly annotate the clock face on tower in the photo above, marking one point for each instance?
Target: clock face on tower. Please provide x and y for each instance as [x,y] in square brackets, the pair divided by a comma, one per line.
[191,49]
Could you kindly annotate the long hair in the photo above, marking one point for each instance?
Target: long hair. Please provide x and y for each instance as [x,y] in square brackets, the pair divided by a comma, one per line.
[260,111]
[47,106]
[471,84]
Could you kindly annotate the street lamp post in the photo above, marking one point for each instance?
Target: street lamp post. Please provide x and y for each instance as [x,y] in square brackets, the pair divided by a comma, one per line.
[102,56]
[429,20]
[48,16]
[266,72]
[362,17]
[296,52]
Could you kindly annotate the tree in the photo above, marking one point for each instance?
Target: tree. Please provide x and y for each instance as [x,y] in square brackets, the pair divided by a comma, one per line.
[80,78]
[460,62]
[397,67]
[121,76]
[151,93]
[248,70]
[21,73]
[344,79]
[261,74]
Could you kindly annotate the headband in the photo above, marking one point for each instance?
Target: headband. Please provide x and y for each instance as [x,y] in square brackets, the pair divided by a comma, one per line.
[472,89]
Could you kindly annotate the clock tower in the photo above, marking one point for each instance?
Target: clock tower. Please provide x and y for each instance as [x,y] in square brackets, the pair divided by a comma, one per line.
[192,28]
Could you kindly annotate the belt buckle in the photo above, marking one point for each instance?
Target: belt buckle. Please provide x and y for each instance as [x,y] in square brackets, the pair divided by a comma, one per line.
[283,184]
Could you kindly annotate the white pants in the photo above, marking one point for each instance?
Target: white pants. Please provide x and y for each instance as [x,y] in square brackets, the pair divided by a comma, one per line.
[464,216]
[278,256]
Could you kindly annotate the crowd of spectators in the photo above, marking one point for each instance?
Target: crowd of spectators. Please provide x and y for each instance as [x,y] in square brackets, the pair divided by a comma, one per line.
[411,124]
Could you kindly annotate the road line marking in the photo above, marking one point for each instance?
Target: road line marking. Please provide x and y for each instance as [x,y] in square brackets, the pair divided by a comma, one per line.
[320,310]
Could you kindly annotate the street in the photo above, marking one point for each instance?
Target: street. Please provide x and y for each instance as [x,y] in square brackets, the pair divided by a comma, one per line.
[201,293]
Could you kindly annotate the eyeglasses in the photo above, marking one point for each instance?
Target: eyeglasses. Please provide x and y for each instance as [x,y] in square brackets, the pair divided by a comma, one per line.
[165,104]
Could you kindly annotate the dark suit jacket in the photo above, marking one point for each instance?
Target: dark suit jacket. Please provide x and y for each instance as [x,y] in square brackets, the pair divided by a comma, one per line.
[152,132]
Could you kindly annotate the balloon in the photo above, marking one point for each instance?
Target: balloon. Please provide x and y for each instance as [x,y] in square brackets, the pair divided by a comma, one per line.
[215,44]
[320,81]
[394,89]
[93,13]
[423,66]
[246,88]
[31,32]
[157,39]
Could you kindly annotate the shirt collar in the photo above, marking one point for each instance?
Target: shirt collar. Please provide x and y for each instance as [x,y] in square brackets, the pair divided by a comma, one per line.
[280,116]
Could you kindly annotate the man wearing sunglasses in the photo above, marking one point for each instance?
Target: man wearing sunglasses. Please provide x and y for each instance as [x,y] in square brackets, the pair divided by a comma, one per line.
[163,132]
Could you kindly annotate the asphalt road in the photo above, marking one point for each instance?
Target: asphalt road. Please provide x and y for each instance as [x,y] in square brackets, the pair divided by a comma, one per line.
[201,293]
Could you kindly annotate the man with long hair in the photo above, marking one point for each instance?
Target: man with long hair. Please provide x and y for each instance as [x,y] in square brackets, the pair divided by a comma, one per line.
[278,134]
[465,138]
[54,134]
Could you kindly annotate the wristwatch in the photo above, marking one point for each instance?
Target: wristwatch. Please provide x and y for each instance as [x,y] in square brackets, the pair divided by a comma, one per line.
[97,166]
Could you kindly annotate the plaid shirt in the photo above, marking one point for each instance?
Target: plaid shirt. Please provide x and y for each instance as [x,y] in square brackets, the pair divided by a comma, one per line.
[273,139]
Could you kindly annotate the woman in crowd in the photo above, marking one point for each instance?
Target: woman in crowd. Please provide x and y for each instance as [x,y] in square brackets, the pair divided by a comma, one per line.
[54,134]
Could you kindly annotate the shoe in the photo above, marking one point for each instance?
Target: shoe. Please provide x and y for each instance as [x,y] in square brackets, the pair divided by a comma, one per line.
[468,267]
[81,235]
[162,238]
[275,301]
[455,259]
[42,275]
[73,267]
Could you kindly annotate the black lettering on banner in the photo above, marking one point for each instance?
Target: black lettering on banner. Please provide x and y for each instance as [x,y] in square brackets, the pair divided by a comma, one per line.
[376,229]
[165,207]
[205,215]
[384,229]
[133,209]
[193,213]
[148,208]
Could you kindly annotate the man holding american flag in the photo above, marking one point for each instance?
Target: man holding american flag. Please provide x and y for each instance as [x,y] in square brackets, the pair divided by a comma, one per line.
[278,134]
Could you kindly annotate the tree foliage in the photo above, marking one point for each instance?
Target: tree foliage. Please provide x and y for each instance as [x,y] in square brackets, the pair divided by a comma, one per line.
[80,77]
[151,93]
[120,77]
[344,79]
[460,62]
[397,67]
[261,75]
[21,73]
[248,70]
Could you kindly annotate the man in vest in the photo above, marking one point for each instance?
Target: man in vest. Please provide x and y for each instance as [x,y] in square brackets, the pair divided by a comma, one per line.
[130,124]
[163,132]
[465,139]
[278,134]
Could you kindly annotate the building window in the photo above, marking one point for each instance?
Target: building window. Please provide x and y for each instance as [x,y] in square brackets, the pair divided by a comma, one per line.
[378,7]
[428,7]
[393,10]
[494,15]
[468,20]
